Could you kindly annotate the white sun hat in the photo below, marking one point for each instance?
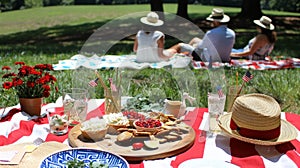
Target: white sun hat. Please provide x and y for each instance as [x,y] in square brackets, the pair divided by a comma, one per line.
[217,14]
[152,19]
[265,22]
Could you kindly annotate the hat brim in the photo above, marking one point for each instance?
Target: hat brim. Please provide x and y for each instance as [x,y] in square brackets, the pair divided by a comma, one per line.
[257,22]
[287,132]
[145,21]
[225,19]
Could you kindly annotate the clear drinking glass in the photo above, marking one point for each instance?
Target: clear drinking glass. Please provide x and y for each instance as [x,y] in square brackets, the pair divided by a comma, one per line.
[58,121]
[112,101]
[232,94]
[75,104]
[216,106]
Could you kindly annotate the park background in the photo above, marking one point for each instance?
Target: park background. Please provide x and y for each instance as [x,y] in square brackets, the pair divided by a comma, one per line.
[36,31]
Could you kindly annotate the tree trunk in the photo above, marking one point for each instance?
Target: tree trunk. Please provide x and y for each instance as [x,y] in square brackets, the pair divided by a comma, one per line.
[16,5]
[182,9]
[157,5]
[251,9]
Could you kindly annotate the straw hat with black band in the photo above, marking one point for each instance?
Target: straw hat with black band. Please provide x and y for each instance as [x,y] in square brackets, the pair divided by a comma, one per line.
[265,22]
[152,19]
[218,15]
[255,118]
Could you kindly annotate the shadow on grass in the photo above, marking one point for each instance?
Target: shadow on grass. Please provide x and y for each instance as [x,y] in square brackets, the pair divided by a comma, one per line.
[62,39]
[69,39]
[49,40]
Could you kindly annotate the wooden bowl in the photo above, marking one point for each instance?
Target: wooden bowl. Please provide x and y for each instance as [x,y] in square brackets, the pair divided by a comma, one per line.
[146,129]
[94,135]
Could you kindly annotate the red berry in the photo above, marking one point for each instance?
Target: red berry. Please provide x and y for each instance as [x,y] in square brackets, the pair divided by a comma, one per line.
[137,145]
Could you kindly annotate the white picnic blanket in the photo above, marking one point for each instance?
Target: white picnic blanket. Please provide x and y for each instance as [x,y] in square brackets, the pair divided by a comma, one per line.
[114,61]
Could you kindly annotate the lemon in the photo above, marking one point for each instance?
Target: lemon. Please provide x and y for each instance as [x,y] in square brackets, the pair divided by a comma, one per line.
[152,144]
[30,148]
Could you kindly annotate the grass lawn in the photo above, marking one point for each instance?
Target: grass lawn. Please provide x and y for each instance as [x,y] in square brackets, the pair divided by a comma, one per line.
[46,35]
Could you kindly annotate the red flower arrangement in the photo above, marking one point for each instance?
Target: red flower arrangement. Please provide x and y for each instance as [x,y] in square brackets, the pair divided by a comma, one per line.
[30,81]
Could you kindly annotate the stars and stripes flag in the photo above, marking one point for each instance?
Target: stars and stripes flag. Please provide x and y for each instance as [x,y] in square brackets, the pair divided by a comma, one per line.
[247,77]
[93,83]
[220,92]
[112,85]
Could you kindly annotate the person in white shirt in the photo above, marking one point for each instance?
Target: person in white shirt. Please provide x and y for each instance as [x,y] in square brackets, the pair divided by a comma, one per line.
[149,43]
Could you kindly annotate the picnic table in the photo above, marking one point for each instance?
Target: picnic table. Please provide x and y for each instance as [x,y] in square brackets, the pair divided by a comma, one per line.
[18,129]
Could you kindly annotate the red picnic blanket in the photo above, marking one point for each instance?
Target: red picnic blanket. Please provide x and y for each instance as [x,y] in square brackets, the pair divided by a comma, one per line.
[255,65]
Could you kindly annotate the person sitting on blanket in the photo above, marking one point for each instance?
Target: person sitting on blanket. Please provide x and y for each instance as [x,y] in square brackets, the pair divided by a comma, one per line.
[149,44]
[261,45]
[218,41]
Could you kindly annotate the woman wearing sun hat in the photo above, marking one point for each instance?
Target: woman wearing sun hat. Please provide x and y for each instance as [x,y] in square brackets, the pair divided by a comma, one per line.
[262,44]
[149,43]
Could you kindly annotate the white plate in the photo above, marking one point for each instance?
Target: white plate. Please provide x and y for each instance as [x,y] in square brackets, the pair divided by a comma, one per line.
[206,163]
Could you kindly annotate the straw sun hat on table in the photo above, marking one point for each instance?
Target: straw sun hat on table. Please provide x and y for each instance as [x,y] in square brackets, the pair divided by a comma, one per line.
[255,118]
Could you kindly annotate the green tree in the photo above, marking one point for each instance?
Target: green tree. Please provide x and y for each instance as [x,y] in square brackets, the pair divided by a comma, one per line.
[251,9]
[182,9]
[33,3]
[11,4]
[157,5]
[282,5]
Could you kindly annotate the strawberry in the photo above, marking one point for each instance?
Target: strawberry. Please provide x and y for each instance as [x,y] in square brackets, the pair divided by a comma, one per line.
[137,146]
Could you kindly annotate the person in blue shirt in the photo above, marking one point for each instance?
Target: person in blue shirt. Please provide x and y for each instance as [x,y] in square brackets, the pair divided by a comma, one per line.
[217,42]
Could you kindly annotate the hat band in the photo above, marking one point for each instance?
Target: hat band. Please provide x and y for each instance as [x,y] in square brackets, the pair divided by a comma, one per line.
[218,17]
[152,20]
[265,24]
[249,133]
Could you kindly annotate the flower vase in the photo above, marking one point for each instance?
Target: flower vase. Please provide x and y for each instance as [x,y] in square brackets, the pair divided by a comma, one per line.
[31,106]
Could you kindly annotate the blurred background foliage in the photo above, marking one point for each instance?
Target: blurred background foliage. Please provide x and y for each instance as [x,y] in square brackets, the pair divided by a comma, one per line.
[279,5]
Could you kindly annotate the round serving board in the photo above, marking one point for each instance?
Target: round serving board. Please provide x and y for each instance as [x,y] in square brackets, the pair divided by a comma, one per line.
[109,143]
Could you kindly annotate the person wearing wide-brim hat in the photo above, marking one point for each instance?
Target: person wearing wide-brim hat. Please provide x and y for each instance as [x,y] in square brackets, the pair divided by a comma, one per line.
[218,15]
[256,118]
[259,47]
[152,19]
[218,41]
[149,44]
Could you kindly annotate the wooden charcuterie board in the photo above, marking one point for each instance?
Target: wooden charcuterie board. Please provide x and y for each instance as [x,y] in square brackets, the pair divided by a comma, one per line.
[109,143]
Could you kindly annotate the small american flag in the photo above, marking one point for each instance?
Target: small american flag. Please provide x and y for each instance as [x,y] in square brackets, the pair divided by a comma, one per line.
[112,85]
[220,92]
[93,83]
[247,77]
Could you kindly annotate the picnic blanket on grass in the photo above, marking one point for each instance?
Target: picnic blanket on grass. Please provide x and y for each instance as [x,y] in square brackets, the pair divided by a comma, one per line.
[113,61]
[255,65]
[178,61]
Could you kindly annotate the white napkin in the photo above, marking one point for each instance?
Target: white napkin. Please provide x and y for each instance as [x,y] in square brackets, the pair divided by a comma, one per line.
[7,156]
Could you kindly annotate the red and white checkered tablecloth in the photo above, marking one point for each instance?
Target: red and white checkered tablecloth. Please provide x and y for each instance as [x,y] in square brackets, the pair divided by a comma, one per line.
[17,127]
[288,63]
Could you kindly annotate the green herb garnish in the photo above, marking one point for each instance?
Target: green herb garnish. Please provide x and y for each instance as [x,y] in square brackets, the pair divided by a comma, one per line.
[80,164]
